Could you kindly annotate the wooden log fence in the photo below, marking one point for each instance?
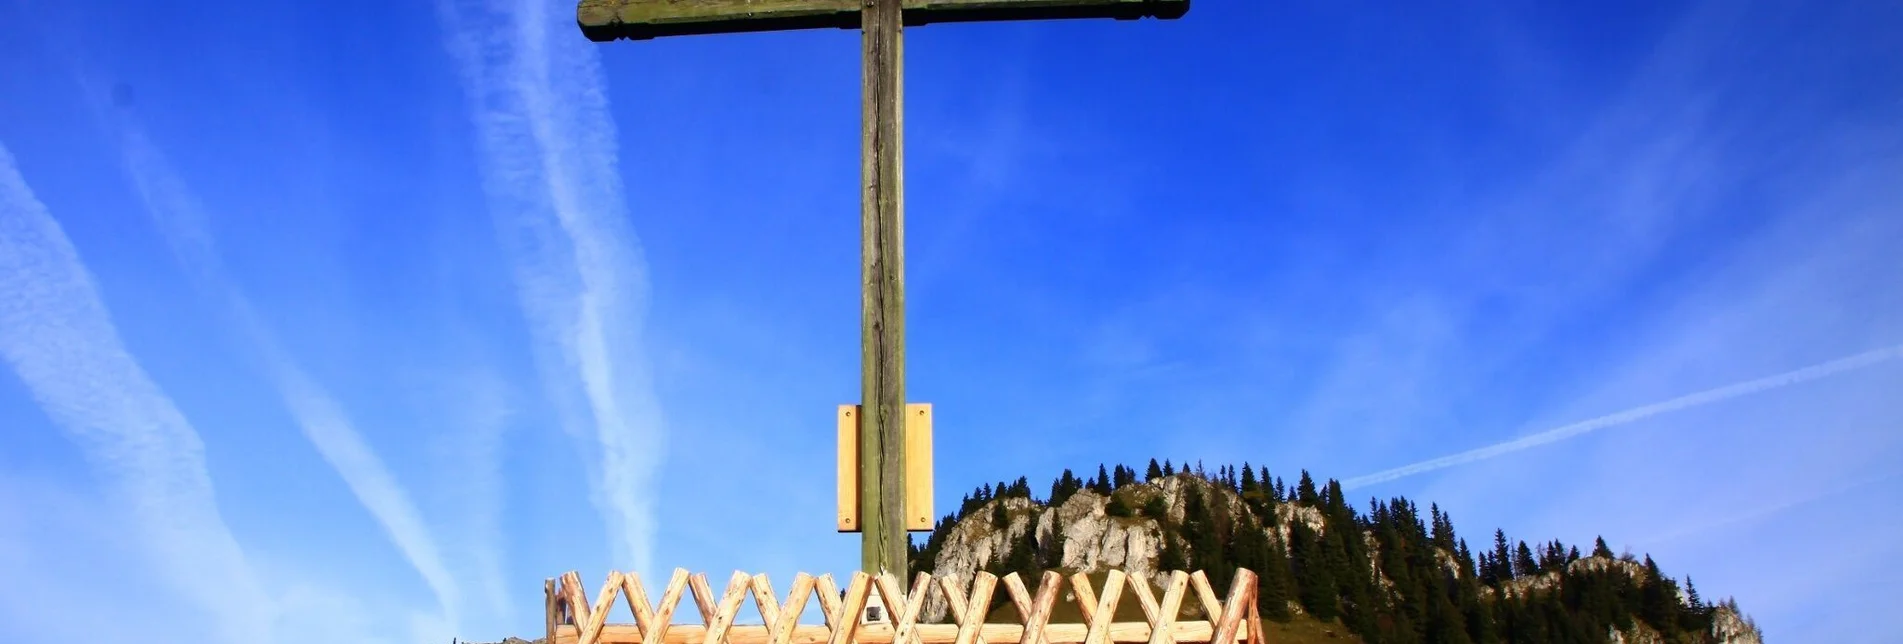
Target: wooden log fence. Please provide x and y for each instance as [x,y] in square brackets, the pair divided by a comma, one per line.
[572,619]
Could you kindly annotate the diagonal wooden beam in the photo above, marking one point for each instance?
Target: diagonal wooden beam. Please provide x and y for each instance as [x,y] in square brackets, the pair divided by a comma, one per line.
[970,612]
[1106,609]
[1212,605]
[845,623]
[1241,597]
[606,20]
[1162,627]
[1040,615]
[598,615]
[729,607]
[576,597]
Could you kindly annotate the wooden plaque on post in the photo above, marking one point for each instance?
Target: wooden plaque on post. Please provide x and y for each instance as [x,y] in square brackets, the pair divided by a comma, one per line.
[918,468]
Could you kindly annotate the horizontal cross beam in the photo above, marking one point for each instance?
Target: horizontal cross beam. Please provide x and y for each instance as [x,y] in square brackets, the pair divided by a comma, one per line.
[606,20]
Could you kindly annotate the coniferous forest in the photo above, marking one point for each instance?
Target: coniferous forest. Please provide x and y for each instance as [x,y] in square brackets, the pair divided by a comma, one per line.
[1385,572]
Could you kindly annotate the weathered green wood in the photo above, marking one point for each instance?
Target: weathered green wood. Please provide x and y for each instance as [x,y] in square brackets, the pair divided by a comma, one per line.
[882,307]
[604,20]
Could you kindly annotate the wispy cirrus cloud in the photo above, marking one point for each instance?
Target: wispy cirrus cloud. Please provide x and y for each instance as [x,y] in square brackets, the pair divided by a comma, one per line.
[1636,414]
[56,333]
[185,224]
[549,163]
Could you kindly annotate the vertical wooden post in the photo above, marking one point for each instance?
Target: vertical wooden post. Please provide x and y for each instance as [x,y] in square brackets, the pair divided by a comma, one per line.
[882,313]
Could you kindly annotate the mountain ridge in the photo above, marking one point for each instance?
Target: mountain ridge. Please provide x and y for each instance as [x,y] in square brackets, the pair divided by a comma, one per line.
[1405,580]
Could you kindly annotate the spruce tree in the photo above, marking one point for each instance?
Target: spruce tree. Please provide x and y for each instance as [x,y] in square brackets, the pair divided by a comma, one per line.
[1314,581]
[1023,557]
[1305,491]
[1273,583]
[1523,564]
[1599,548]
[1658,601]
[1171,558]
[1502,556]
[1053,550]
[1155,472]
[1168,470]
[1156,508]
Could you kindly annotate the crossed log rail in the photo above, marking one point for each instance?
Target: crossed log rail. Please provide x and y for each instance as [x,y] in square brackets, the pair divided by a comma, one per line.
[572,619]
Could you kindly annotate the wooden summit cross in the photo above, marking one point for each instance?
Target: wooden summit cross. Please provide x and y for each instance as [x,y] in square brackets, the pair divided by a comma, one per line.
[879,480]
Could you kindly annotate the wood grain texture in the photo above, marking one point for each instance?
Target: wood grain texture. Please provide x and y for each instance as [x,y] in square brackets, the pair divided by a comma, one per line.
[553,609]
[1085,597]
[598,614]
[604,20]
[670,598]
[848,468]
[789,615]
[575,597]
[918,467]
[1106,611]
[1241,596]
[845,625]
[1040,615]
[1164,631]
[1212,605]
[831,601]
[882,299]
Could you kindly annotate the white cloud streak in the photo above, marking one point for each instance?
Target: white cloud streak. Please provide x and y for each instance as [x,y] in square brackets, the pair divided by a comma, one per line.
[185,226]
[57,334]
[1806,374]
[548,157]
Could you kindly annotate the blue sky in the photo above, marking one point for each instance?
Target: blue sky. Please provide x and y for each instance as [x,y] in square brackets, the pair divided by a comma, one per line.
[356,320]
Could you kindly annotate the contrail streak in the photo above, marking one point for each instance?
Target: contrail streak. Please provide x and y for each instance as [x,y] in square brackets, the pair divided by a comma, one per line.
[1785,379]
[184,223]
[551,176]
[58,335]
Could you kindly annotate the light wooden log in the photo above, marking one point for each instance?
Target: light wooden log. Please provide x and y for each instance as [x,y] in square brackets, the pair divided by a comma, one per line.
[638,603]
[598,614]
[1034,623]
[1020,597]
[1119,633]
[763,599]
[703,597]
[830,599]
[1146,598]
[1085,597]
[845,625]
[575,596]
[1241,593]
[670,599]
[729,607]
[789,616]
[971,619]
[1163,631]
[888,588]
[1255,617]
[1212,604]
[1106,611]
[914,605]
